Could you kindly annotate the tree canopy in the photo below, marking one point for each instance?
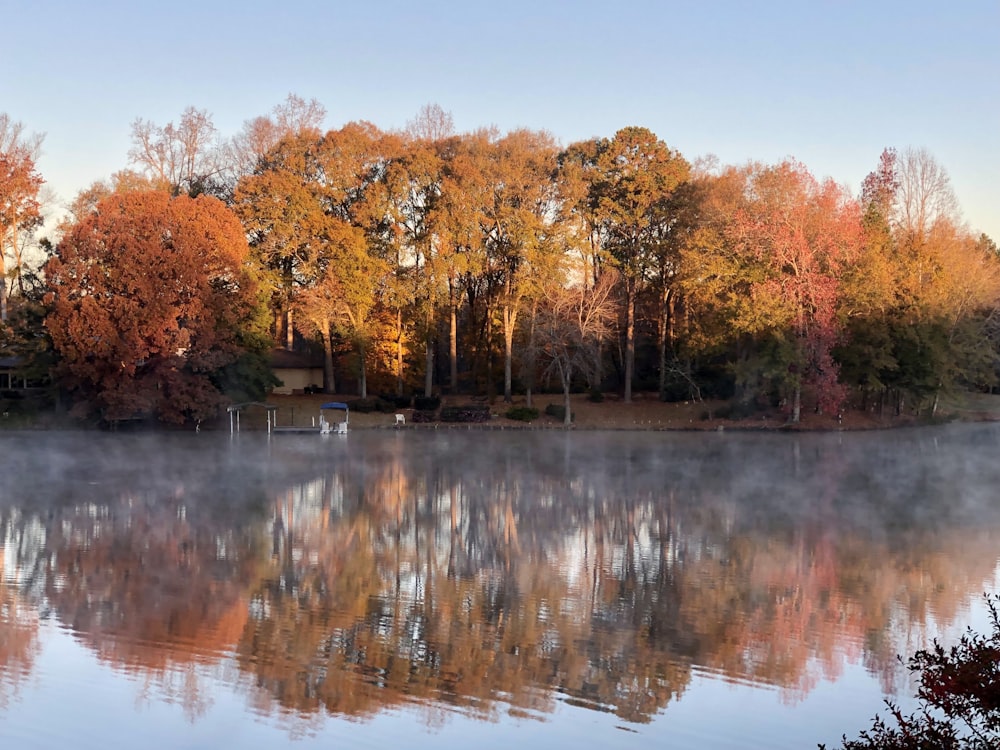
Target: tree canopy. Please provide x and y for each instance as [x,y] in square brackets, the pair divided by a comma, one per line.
[149,298]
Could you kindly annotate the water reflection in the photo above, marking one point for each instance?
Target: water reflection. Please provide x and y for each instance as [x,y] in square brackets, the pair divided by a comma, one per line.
[468,571]
[18,619]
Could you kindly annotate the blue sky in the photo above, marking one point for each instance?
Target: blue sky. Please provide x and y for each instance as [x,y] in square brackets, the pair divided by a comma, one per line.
[829,83]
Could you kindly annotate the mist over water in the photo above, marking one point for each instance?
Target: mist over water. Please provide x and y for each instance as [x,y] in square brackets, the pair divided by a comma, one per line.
[424,582]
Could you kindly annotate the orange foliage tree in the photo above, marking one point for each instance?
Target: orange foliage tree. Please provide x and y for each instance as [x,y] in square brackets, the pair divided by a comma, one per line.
[148,299]
[629,182]
[20,210]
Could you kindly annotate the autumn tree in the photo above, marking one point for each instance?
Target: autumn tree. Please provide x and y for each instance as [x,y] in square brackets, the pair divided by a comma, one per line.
[431,124]
[923,195]
[87,199]
[20,208]
[354,160]
[309,224]
[918,301]
[395,215]
[629,180]
[571,324]
[711,284]
[586,234]
[260,135]
[953,282]
[677,233]
[769,273]
[520,236]
[344,298]
[181,158]
[319,309]
[149,301]
[426,138]
[457,221]
[285,223]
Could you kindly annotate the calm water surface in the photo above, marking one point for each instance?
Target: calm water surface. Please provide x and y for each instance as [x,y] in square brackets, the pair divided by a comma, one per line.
[434,589]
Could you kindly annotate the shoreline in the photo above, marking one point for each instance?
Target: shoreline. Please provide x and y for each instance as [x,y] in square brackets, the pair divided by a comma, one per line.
[645,414]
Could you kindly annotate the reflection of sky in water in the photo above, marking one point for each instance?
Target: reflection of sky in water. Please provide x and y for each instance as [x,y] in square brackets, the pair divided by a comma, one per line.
[579,539]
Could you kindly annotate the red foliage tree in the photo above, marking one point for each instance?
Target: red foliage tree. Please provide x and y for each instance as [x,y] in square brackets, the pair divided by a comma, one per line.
[147,297]
[795,235]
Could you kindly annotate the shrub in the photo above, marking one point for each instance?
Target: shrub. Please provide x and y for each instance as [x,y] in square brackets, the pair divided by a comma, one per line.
[558,411]
[423,416]
[368,405]
[678,389]
[959,698]
[732,410]
[427,403]
[596,396]
[396,401]
[522,413]
[466,413]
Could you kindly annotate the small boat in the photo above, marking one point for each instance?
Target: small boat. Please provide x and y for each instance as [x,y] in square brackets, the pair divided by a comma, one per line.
[338,428]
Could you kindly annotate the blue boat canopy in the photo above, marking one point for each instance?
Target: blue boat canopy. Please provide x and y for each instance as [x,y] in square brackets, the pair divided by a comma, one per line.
[334,405]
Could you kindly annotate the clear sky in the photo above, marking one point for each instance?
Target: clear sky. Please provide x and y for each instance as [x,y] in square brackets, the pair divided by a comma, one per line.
[829,83]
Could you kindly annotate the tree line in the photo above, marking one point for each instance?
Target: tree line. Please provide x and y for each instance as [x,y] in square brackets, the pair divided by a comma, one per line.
[426,260]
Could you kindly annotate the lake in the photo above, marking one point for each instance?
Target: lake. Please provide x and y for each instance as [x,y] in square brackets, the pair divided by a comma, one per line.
[422,588]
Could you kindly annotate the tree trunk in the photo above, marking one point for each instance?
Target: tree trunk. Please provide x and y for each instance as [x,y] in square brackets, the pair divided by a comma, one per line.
[666,338]
[289,329]
[741,391]
[399,351]
[453,338]
[489,354]
[19,266]
[530,373]
[509,320]
[799,365]
[428,367]
[429,340]
[329,385]
[3,284]
[567,416]
[629,339]
[363,380]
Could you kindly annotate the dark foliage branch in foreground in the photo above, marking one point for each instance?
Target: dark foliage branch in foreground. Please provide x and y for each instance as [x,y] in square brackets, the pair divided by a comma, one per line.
[959,698]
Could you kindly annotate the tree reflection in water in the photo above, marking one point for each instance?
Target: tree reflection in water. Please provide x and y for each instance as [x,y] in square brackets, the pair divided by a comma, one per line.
[18,618]
[490,572]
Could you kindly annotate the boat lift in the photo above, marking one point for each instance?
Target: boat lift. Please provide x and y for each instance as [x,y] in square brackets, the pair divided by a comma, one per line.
[234,415]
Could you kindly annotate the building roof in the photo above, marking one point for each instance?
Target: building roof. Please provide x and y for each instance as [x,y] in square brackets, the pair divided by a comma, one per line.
[282,359]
